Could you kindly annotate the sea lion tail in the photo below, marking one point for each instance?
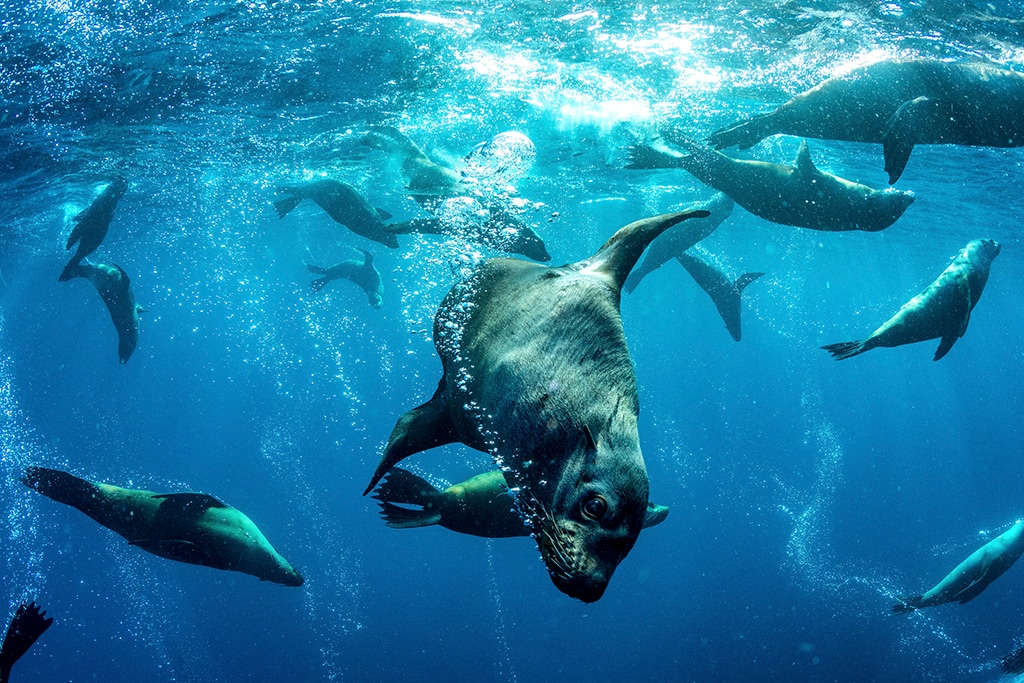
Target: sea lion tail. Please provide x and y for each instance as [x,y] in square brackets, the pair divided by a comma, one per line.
[743,134]
[28,624]
[284,206]
[845,350]
[60,486]
[405,488]
[907,604]
[1014,663]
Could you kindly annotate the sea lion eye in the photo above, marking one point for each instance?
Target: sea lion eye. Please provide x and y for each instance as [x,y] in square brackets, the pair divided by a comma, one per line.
[595,507]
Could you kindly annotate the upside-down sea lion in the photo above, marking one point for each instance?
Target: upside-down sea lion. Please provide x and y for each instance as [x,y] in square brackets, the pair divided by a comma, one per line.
[725,293]
[360,271]
[538,374]
[502,230]
[195,528]
[973,575]
[115,288]
[479,506]
[345,204]
[799,195]
[24,630]
[92,223]
[942,310]
[899,103]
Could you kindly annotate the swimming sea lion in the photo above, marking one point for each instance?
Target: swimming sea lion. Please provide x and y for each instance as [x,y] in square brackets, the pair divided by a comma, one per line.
[537,373]
[427,179]
[1014,663]
[345,204]
[942,310]
[91,224]
[725,293]
[899,103]
[680,238]
[502,230]
[24,630]
[195,528]
[801,196]
[115,288]
[360,271]
[973,575]
[479,506]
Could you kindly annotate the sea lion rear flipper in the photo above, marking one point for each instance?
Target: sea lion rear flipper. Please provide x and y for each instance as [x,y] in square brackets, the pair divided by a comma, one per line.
[384,215]
[907,604]
[898,135]
[25,628]
[284,206]
[426,426]
[844,350]
[402,486]
[743,280]
[804,164]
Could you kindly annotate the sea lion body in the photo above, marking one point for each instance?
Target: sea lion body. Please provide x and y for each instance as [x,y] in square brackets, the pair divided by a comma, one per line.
[91,225]
[195,528]
[428,181]
[942,310]
[973,575]
[502,230]
[343,203]
[360,271]
[899,103]
[537,373]
[725,293]
[114,287]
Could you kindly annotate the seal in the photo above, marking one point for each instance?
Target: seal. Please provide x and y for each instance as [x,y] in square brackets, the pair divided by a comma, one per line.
[427,179]
[800,195]
[24,630]
[345,204]
[899,103]
[502,230]
[115,289]
[360,271]
[91,225]
[973,575]
[479,506]
[536,372]
[942,310]
[725,293]
[680,238]
[194,528]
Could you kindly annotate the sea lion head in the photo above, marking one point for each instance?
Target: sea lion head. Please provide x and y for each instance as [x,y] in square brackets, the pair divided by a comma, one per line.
[885,206]
[984,250]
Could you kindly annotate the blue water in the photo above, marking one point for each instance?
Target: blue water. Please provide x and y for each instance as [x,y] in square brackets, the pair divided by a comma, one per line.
[806,495]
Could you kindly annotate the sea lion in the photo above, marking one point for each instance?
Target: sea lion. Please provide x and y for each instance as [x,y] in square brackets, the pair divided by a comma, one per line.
[427,180]
[479,506]
[1014,663]
[24,630]
[538,374]
[345,204]
[680,238]
[725,293]
[973,575]
[195,528]
[899,103]
[115,288]
[502,230]
[360,271]
[942,310]
[799,195]
[92,223]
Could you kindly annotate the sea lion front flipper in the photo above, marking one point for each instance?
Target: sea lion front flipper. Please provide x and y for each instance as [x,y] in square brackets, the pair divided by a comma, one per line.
[960,316]
[898,136]
[620,253]
[656,514]
[188,505]
[804,164]
[25,628]
[170,549]
[426,426]
[743,280]
[404,487]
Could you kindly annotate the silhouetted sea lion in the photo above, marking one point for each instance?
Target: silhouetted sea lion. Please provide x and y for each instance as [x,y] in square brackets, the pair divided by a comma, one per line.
[24,630]
[360,271]
[537,373]
[427,179]
[973,575]
[479,506]
[899,103]
[942,310]
[502,230]
[1014,663]
[725,293]
[678,239]
[800,195]
[195,528]
[91,225]
[115,288]
[344,204]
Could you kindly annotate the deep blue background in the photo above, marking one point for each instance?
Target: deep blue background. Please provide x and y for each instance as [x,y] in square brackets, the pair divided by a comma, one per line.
[805,494]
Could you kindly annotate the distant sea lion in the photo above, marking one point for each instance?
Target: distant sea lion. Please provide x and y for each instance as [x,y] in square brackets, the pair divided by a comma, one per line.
[801,196]
[195,528]
[24,630]
[345,204]
[973,575]
[942,310]
[899,103]
[680,238]
[537,373]
[91,224]
[1014,663]
[479,506]
[725,293]
[427,179]
[502,230]
[115,288]
[360,271]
